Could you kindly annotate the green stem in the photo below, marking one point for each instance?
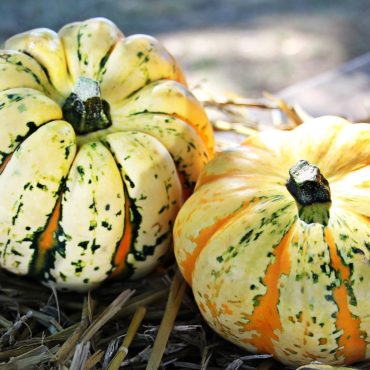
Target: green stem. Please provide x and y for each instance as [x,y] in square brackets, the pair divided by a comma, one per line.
[85,109]
[311,191]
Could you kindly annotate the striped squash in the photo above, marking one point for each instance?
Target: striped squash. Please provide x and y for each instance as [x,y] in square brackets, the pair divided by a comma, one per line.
[100,141]
[275,242]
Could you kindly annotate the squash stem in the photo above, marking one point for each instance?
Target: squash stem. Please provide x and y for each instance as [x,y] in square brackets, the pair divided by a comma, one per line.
[85,109]
[311,191]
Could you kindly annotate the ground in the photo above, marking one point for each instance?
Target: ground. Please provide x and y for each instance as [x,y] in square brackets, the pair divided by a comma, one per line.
[242,46]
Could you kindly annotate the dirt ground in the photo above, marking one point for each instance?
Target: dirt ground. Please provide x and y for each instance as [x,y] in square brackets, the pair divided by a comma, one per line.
[244,46]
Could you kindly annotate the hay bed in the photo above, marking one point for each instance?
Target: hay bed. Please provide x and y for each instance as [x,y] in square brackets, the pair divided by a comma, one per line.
[44,329]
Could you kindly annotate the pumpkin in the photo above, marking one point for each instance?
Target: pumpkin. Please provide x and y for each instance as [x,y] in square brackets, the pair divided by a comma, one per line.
[275,241]
[100,141]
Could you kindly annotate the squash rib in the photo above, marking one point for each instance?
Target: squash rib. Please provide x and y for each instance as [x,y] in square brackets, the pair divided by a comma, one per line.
[32,186]
[126,242]
[265,318]
[351,342]
[46,241]
[133,63]
[172,99]
[198,130]
[188,265]
[146,168]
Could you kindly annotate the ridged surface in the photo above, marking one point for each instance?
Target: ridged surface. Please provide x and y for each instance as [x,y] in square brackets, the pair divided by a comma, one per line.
[263,278]
[107,200]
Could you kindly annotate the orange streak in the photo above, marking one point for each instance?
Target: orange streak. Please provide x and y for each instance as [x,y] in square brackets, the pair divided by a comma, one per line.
[265,318]
[6,160]
[46,240]
[201,241]
[211,306]
[202,307]
[351,341]
[125,242]
[226,309]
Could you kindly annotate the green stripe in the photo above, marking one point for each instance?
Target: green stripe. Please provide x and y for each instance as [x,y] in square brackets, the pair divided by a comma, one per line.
[9,58]
[47,74]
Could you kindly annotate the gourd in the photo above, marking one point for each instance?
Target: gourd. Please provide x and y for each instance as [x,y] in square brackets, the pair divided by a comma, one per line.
[275,241]
[100,142]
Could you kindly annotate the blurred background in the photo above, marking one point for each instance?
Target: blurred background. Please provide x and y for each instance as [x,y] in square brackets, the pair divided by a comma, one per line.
[239,46]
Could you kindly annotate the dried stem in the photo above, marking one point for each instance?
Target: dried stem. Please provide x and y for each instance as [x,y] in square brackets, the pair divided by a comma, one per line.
[286,108]
[5,323]
[240,123]
[173,304]
[67,349]
[107,314]
[80,356]
[30,359]
[8,336]
[145,299]
[238,102]
[93,360]
[131,332]
[239,128]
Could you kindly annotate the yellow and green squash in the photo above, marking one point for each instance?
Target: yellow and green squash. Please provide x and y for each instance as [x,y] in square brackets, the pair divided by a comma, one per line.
[100,142]
[275,242]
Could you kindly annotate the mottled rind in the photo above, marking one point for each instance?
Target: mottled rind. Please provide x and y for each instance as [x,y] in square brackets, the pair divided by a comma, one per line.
[29,188]
[154,194]
[77,209]
[267,279]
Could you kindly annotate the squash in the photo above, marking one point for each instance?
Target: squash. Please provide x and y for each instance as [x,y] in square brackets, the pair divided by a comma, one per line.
[100,142]
[275,241]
